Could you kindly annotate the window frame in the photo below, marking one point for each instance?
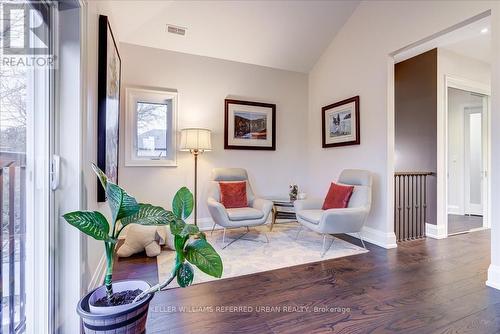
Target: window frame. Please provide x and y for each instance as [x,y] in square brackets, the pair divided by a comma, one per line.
[153,96]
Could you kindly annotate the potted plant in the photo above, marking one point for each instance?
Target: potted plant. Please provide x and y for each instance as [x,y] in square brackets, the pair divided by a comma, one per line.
[123,306]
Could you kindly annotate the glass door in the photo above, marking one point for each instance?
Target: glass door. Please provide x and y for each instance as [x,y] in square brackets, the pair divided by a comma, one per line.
[25,150]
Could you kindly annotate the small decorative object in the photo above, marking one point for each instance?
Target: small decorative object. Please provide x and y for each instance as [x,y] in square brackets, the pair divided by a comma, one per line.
[108,104]
[123,306]
[249,125]
[340,123]
[143,238]
[196,141]
[294,190]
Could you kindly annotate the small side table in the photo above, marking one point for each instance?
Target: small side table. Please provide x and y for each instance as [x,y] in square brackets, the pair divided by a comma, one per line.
[282,209]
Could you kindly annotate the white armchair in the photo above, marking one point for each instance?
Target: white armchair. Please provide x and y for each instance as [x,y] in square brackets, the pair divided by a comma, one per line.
[256,213]
[332,221]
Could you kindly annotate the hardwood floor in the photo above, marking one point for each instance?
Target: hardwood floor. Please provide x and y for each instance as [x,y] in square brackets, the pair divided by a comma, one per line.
[459,223]
[423,286]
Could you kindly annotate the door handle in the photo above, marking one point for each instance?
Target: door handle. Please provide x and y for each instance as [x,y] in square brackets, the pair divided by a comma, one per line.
[55,172]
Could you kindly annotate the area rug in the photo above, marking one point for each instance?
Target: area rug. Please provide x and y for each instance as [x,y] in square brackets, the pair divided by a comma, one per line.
[247,257]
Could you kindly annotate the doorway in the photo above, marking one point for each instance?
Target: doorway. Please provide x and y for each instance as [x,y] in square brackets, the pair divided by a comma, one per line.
[463,62]
[467,113]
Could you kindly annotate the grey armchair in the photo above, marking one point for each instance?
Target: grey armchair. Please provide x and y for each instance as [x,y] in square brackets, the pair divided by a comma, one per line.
[348,220]
[256,213]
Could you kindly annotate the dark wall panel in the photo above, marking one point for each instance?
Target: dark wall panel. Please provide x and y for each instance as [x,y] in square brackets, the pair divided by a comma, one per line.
[416,120]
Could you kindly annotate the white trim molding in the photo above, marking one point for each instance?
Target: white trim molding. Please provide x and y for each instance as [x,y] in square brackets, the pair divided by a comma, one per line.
[455,210]
[435,231]
[377,237]
[493,277]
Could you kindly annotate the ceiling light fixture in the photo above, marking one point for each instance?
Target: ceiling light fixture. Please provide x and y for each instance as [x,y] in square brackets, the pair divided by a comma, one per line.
[484,30]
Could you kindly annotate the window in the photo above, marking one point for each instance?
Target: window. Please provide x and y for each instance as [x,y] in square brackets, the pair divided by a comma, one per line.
[150,127]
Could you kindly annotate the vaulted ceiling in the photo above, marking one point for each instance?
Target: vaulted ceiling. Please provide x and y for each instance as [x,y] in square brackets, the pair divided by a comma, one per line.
[288,35]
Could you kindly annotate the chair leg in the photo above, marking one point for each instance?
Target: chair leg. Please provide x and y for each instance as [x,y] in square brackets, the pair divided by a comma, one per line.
[265,234]
[241,237]
[234,240]
[325,249]
[362,241]
[298,232]
[213,228]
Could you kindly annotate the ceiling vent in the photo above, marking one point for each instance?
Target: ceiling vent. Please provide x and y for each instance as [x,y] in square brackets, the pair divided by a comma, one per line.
[176,30]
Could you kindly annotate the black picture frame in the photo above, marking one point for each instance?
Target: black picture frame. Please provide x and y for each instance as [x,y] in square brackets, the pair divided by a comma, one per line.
[227,130]
[356,120]
[108,104]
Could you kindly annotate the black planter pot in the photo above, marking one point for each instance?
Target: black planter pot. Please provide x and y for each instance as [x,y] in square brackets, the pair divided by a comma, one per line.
[115,320]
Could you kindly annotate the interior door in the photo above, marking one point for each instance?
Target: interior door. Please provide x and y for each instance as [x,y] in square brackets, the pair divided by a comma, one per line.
[473,159]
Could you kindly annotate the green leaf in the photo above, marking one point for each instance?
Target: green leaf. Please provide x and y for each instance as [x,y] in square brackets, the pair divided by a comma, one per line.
[100,174]
[92,223]
[203,255]
[176,226]
[179,246]
[122,204]
[182,205]
[149,215]
[185,275]
[189,229]
[202,235]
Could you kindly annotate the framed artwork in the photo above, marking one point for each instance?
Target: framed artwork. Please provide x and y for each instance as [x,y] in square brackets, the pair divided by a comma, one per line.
[249,125]
[340,123]
[108,104]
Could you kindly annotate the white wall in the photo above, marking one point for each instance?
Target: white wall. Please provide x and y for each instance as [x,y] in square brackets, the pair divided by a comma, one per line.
[93,250]
[202,84]
[357,62]
[457,66]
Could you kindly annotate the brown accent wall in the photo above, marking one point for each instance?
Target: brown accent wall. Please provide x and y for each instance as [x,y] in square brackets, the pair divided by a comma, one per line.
[416,120]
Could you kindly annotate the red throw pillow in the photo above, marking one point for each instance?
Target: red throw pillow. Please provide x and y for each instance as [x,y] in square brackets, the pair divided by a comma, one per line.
[338,196]
[233,194]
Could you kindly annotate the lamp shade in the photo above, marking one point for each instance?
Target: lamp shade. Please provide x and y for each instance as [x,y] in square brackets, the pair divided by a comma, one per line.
[195,139]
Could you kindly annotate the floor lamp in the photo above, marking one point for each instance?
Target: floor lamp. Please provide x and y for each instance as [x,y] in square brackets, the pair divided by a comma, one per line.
[196,141]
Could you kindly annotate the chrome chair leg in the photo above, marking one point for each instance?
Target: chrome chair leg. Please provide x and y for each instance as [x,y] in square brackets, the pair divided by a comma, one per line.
[232,241]
[298,232]
[362,241]
[241,237]
[213,228]
[325,249]
[265,234]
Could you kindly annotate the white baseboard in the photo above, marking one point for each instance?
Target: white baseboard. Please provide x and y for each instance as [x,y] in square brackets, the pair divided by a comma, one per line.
[435,231]
[493,277]
[454,210]
[98,276]
[376,237]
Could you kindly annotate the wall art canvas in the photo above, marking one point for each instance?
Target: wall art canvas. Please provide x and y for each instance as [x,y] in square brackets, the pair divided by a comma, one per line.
[340,123]
[249,125]
[108,96]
